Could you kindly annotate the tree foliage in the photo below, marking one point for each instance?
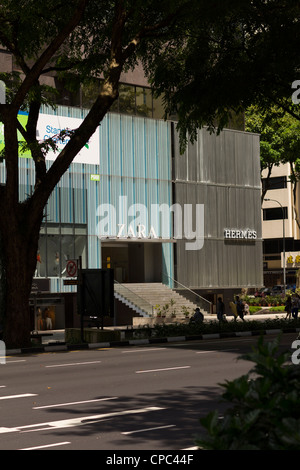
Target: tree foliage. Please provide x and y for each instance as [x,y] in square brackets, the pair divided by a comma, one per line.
[263,406]
[234,54]
[279,139]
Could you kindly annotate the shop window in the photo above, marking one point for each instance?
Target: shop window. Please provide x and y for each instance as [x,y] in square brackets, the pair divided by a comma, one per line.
[55,249]
[53,255]
[80,247]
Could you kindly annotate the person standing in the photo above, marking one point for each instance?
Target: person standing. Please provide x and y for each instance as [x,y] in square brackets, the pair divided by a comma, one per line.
[288,307]
[220,309]
[239,307]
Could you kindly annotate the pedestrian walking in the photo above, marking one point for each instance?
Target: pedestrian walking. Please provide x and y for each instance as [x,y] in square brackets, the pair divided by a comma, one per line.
[288,307]
[295,306]
[220,309]
[239,307]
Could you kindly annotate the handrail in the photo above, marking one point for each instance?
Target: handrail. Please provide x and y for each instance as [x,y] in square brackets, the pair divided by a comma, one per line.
[141,304]
[190,290]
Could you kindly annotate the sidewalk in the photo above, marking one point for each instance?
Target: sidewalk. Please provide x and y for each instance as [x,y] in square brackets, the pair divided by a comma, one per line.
[58,336]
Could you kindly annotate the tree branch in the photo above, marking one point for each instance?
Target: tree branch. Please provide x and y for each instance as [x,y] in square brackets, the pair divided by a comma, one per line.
[47,55]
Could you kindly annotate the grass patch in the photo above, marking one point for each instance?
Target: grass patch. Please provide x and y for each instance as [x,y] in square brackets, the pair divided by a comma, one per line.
[279,309]
[253,309]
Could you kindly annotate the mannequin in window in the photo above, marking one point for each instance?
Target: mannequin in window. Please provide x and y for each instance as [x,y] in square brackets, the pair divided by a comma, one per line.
[38,264]
[56,263]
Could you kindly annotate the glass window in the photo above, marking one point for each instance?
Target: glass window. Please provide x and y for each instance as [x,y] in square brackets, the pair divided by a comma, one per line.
[41,267]
[67,97]
[81,249]
[67,251]
[143,101]
[158,108]
[275,213]
[279,182]
[89,92]
[55,250]
[53,255]
[127,99]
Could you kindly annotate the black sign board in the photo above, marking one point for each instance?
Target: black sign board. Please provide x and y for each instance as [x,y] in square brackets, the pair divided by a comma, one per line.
[95,292]
[40,285]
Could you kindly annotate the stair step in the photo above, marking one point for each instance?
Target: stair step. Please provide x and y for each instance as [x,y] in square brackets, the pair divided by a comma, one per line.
[155,294]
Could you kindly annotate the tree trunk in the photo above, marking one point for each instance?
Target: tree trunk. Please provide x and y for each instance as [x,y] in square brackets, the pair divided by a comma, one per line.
[19,249]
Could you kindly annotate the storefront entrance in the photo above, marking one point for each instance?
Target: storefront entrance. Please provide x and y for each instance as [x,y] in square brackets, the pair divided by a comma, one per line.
[133,262]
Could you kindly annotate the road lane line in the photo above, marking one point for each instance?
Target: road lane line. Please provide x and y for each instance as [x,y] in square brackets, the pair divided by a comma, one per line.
[161,370]
[205,352]
[143,350]
[217,350]
[73,422]
[17,360]
[73,403]
[149,429]
[74,364]
[191,448]
[47,445]
[24,395]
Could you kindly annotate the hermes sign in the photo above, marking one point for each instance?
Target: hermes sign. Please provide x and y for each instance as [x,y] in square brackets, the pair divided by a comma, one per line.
[234,234]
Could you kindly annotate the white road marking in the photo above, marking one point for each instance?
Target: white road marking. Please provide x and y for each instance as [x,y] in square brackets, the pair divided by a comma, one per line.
[17,360]
[24,395]
[149,429]
[205,352]
[143,350]
[74,364]
[48,445]
[191,448]
[72,422]
[217,350]
[160,370]
[72,403]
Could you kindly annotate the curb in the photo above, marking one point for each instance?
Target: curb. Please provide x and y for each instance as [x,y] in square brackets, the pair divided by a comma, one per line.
[136,342]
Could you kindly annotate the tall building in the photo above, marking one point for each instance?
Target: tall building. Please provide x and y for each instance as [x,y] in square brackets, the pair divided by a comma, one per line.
[281,234]
[132,203]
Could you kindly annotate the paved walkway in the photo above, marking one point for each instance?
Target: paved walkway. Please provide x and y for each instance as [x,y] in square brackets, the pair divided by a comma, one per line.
[59,335]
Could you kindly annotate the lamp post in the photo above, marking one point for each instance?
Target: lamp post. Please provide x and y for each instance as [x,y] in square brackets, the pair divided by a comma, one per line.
[2,92]
[283,242]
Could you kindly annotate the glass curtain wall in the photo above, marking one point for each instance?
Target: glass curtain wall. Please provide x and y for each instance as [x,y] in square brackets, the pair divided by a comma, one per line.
[133,100]
[61,241]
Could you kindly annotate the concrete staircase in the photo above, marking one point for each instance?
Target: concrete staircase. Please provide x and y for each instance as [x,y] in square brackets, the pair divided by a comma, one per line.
[150,299]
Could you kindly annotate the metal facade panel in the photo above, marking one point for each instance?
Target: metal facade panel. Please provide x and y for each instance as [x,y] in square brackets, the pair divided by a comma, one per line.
[222,172]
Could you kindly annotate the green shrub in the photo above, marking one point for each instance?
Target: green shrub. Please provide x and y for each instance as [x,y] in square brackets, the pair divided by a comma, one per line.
[264,406]
[214,326]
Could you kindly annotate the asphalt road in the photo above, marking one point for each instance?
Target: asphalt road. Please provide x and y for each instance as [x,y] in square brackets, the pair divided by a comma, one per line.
[126,398]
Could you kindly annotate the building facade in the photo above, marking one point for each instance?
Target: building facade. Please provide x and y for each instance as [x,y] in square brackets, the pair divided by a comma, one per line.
[223,173]
[131,202]
[280,223]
